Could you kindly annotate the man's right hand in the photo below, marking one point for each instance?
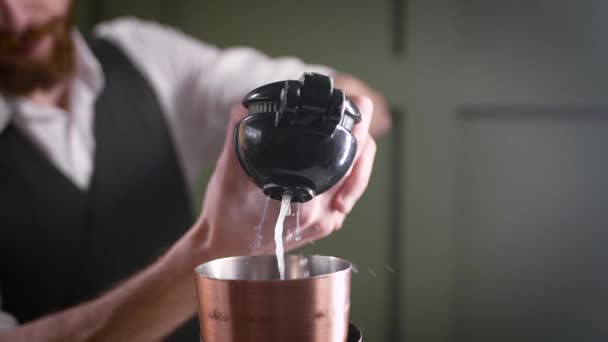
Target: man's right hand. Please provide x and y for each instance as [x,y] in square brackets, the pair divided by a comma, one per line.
[233,204]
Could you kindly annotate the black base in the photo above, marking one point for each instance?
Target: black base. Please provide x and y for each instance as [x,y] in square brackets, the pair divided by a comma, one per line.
[354,335]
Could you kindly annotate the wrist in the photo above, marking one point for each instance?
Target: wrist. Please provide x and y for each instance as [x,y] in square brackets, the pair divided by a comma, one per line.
[163,296]
[189,251]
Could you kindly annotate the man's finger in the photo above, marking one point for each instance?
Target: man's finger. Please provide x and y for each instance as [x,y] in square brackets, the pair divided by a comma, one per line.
[360,132]
[331,222]
[227,163]
[354,185]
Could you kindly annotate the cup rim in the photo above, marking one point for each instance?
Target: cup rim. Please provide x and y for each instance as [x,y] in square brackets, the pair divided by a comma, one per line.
[348,265]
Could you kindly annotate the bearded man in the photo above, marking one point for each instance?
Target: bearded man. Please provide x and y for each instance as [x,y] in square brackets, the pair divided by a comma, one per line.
[102,138]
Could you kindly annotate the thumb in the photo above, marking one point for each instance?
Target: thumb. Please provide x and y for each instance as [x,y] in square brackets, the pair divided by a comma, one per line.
[228,164]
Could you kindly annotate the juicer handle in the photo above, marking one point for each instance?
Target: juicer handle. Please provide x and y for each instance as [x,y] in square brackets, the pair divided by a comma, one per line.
[311,103]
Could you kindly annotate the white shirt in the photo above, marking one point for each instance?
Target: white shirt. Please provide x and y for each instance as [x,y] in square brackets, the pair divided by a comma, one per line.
[196,84]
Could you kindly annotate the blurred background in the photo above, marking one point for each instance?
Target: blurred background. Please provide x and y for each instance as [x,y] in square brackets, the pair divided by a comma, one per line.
[485,218]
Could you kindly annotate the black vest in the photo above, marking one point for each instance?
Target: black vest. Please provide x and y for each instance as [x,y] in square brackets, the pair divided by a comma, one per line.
[60,245]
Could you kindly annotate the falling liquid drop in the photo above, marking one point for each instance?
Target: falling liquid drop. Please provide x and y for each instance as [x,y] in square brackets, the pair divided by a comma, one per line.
[257,242]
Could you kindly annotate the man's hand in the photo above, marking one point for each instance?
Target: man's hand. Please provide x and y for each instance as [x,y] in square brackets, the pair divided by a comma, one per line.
[233,204]
[381,120]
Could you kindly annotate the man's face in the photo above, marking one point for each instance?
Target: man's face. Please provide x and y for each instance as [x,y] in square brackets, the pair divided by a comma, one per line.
[36,50]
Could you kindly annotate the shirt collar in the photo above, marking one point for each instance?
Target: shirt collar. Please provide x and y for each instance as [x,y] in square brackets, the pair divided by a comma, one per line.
[88,68]
[87,71]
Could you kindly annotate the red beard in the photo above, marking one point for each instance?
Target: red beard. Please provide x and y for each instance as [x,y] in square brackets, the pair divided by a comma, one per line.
[23,77]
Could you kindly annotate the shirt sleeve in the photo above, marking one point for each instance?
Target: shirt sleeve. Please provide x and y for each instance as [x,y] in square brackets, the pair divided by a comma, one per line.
[197,83]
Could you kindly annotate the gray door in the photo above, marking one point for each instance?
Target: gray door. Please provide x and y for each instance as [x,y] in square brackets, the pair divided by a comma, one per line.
[508,124]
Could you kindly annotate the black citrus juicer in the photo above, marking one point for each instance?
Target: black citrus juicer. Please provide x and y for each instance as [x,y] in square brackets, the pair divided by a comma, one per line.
[297,140]
[297,137]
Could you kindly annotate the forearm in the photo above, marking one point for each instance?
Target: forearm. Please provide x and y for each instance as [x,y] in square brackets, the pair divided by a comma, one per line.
[147,306]
[381,119]
[155,302]
[76,324]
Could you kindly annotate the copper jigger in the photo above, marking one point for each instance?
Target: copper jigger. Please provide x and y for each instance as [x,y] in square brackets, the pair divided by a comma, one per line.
[242,299]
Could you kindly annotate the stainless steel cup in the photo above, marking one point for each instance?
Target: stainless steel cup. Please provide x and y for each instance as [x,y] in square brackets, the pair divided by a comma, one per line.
[242,299]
